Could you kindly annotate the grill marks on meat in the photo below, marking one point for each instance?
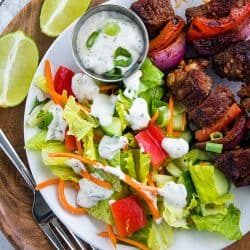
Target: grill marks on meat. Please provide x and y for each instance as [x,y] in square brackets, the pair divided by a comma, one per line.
[236,166]
[215,8]
[244,95]
[154,13]
[213,108]
[190,84]
[234,63]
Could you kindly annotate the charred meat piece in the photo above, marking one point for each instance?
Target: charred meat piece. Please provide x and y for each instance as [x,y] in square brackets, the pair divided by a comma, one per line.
[212,108]
[154,13]
[234,63]
[236,166]
[215,8]
[190,84]
[244,95]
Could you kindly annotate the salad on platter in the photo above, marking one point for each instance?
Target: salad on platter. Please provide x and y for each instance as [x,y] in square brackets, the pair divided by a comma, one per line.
[159,151]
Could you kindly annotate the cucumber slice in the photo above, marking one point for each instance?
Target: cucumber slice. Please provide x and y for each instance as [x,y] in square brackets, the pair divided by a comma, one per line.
[177,123]
[221,182]
[173,170]
[187,136]
[186,180]
[161,179]
[115,128]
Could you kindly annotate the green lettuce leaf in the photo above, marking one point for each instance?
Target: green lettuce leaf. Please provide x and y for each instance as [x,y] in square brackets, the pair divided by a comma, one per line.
[41,83]
[116,160]
[131,140]
[65,173]
[151,76]
[79,121]
[89,145]
[144,167]
[102,212]
[121,111]
[227,225]
[163,111]
[162,179]
[37,142]
[142,234]
[128,163]
[160,236]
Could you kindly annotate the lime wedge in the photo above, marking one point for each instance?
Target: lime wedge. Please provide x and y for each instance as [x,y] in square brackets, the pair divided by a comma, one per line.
[56,15]
[18,61]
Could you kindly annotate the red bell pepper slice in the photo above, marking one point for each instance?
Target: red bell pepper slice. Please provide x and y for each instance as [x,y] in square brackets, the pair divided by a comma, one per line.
[150,141]
[156,132]
[70,142]
[63,80]
[129,215]
[203,27]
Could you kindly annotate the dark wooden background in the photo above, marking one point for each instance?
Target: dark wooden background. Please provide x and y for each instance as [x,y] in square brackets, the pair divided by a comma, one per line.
[15,197]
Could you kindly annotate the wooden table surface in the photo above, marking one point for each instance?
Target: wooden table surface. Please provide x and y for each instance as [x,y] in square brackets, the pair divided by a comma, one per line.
[15,198]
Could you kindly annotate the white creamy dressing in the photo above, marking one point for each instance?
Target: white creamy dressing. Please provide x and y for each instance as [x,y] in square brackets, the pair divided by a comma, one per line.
[90,193]
[111,170]
[110,146]
[132,84]
[99,58]
[76,165]
[174,194]
[103,108]
[58,126]
[138,116]
[175,147]
[84,87]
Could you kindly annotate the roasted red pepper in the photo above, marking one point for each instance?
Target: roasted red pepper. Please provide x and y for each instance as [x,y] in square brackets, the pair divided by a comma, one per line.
[129,215]
[203,27]
[168,35]
[150,141]
[70,142]
[63,80]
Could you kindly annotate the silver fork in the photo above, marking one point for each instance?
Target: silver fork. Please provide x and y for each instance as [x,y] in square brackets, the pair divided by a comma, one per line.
[42,214]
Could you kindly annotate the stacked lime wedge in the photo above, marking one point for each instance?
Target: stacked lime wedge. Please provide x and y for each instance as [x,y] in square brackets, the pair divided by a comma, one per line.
[18,61]
[56,15]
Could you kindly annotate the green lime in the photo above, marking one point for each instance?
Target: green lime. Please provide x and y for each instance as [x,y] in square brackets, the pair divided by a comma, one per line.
[18,62]
[56,15]
[111,29]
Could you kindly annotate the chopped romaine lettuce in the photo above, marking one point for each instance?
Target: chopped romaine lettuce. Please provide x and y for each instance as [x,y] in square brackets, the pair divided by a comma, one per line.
[116,160]
[186,180]
[44,119]
[122,112]
[151,76]
[160,236]
[38,103]
[128,163]
[79,121]
[211,209]
[227,225]
[89,146]
[41,83]
[37,142]
[126,102]
[65,173]
[162,179]
[143,167]
[142,234]
[131,140]
[163,110]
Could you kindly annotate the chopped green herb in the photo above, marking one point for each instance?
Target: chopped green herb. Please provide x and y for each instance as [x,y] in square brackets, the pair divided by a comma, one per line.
[216,136]
[114,73]
[92,38]
[37,103]
[45,119]
[214,147]
[122,57]
[111,29]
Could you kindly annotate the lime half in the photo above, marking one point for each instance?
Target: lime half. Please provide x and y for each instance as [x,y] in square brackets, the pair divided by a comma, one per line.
[56,15]
[18,61]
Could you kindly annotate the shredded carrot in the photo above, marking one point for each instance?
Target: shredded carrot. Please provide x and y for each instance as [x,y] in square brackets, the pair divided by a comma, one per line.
[128,180]
[87,109]
[204,134]
[111,235]
[108,87]
[155,116]
[184,121]
[97,181]
[64,202]
[176,133]
[74,156]
[58,99]
[126,240]
[171,120]
[79,147]
[47,183]
[150,180]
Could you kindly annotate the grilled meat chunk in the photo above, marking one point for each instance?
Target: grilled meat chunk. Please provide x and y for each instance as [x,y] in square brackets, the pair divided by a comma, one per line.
[212,108]
[189,83]
[236,166]
[154,13]
[244,95]
[234,63]
[215,8]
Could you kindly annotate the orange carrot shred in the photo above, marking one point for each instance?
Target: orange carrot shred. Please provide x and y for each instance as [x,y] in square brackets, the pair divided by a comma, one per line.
[79,147]
[155,116]
[111,235]
[171,120]
[58,99]
[97,181]
[64,202]
[108,87]
[150,180]
[47,183]
[126,240]
[204,134]
[176,133]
